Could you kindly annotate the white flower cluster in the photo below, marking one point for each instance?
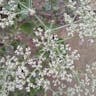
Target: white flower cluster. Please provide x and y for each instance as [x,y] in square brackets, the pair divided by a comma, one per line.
[53,64]
[85,24]
[14,71]
[86,84]
[54,60]
[55,52]
[7,13]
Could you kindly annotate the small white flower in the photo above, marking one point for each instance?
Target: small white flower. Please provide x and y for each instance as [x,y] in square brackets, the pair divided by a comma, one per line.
[32,12]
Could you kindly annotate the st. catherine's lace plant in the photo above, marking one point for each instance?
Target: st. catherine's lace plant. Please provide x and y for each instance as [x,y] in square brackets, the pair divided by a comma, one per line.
[55,59]
[22,71]
[83,21]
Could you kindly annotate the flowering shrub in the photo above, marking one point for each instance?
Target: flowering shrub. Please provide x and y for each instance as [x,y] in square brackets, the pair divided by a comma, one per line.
[51,69]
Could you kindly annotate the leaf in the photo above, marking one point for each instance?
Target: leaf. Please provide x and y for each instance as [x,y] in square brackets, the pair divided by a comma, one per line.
[2,50]
[35,92]
[27,27]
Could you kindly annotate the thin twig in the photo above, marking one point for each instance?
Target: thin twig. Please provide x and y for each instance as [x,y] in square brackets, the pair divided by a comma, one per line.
[41,21]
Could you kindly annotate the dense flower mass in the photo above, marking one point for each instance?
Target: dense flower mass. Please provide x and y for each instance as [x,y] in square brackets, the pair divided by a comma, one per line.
[23,71]
[86,85]
[83,20]
[7,13]
[52,68]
